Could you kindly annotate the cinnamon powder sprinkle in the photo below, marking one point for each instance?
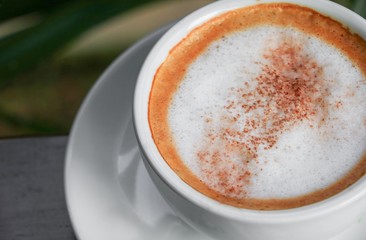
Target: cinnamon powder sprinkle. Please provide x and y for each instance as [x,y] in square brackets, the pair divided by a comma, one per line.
[290,89]
[242,136]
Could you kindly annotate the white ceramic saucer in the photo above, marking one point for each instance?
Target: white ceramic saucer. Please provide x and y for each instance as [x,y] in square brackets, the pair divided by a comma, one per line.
[108,191]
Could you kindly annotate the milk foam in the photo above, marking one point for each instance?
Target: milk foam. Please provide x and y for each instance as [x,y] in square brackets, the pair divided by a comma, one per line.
[307,156]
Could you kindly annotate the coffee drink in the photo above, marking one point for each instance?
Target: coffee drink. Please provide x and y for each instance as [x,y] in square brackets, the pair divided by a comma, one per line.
[264,107]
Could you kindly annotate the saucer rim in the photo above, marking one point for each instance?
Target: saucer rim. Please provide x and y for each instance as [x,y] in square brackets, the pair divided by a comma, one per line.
[100,82]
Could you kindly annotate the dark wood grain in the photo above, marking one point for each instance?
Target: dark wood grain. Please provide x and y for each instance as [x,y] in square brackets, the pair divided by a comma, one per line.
[32,200]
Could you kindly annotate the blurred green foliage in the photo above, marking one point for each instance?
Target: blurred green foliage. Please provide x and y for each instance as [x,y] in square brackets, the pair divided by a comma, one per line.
[61,21]
[30,100]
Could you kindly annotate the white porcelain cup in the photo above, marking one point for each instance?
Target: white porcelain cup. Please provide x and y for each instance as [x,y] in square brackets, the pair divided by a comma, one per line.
[318,221]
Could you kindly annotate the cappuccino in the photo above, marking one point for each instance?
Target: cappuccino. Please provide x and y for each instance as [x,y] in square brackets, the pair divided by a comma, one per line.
[264,107]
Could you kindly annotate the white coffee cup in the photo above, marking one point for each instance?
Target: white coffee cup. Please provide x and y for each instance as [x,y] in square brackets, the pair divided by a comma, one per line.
[318,221]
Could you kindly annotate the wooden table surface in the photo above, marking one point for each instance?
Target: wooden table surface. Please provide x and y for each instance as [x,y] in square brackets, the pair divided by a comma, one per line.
[32,199]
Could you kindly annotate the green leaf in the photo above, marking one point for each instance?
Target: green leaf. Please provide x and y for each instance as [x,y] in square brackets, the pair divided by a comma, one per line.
[15,8]
[360,7]
[346,3]
[22,50]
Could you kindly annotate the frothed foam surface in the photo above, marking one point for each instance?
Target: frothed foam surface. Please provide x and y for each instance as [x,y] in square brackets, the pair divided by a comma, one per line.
[264,107]
[307,153]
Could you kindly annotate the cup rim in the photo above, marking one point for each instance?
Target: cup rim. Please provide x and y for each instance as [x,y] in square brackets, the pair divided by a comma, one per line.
[142,129]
